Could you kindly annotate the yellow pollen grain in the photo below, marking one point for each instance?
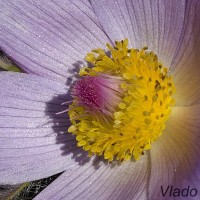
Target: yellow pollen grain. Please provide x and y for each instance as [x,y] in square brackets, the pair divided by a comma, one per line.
[140,117]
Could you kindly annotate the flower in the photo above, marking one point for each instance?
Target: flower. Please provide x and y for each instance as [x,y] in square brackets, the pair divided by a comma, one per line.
[49,40]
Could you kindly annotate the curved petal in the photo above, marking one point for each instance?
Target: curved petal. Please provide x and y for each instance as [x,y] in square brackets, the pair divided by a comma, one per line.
[100,181]
[33,140]
[186,66]
[49,37]
[175,157]
[156,24]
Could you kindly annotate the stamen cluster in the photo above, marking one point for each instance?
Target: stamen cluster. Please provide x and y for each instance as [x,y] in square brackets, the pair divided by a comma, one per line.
[122,103]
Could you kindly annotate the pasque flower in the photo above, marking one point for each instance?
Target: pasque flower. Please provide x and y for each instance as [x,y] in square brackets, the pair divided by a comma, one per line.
[130,126]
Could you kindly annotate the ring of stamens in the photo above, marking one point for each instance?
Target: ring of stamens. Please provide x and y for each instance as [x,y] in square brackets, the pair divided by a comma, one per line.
[122,103]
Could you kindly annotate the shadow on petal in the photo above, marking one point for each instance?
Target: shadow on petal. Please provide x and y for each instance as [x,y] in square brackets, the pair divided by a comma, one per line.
[61,124]
[61,121]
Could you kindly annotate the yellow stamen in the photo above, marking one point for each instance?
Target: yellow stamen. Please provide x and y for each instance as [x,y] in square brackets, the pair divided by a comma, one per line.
[139,112]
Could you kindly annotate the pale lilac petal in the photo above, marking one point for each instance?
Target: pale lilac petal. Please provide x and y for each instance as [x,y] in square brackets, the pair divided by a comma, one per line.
[49,37]
[34,142]
[175,157]
[97,180]
[186,68]
[156,24]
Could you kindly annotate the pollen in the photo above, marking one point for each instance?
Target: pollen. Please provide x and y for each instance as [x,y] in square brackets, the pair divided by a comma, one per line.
[121,103]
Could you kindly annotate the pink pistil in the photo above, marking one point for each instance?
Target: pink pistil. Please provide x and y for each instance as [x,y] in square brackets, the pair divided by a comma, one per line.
[102,93]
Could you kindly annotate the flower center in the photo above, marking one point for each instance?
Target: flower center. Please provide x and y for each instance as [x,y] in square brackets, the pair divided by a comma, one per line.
[99,96]
[122,103]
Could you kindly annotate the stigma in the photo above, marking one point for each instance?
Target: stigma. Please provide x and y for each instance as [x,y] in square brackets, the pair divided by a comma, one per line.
[99,95]
[121,103]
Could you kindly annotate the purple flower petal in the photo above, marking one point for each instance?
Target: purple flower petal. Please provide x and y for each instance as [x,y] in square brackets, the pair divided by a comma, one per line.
[186,68]
[126,181]
[49,37]
[156,24]
[175,156]
[33,140]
